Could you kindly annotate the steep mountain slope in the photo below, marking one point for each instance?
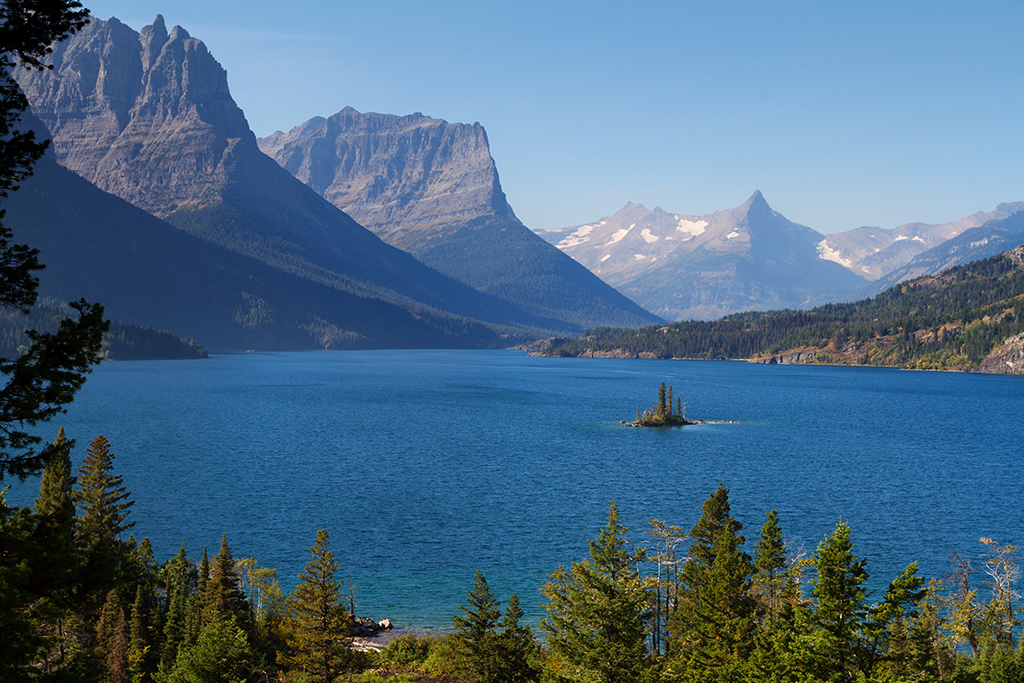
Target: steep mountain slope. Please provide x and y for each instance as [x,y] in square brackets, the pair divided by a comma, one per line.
[875,252]
[431,188]
[148,117]
[746,258]
[144,270]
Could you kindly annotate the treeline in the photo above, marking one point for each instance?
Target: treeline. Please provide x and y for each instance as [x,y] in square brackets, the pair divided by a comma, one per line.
[949,321]
[694,606]
[78,603]
[121,342]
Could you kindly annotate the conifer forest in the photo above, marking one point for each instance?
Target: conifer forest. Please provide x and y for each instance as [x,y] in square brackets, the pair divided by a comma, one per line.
[83,598]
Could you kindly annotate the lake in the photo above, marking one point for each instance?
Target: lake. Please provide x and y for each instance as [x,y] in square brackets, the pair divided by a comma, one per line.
[424,466]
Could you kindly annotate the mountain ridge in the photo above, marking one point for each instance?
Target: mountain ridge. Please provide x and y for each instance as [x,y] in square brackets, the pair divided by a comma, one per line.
[431,187]
[148,117]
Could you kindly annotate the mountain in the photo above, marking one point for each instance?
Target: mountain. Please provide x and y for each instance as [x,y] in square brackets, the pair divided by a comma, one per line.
[971,317]
[747,258]
[993,237]
[431,188]
[144,270]
[876,252]
[149,118]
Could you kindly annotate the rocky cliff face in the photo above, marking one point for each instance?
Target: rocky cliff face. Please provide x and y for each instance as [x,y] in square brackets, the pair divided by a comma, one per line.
[148,117]
[403,177]
[681,266]
[431,188]
[145,116]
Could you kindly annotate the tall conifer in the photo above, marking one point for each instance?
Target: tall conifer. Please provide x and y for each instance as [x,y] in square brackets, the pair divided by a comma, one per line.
[318,621]
[598,610]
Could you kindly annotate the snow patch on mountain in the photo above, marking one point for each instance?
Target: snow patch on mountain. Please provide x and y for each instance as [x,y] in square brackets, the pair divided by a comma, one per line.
[619,234]
[826,252]
[693,228]
[648,236]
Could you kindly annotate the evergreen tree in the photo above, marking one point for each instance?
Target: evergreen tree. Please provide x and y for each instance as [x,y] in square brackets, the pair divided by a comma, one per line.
[180,579]
[319,623]
[840,611]
[222,593]
[476,632]
[221,654]
[57,557]
[771,584]
[712,626]
[112,641]
[661,401]
[598,611]
[102,497]
[46,377]
[104,503]
[517,647]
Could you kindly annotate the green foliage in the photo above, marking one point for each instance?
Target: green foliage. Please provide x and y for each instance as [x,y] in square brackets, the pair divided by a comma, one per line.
[406,652]
[319,624]
[222,653]
[712,626]
[661,414]
[489,654]
[840,612]
[949,321]
[598,611]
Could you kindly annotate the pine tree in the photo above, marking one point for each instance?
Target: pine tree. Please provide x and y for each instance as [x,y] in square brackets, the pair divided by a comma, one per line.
[839,613]
[661,401]
[476,632]
[599,611]
[319,623]
[222,652]
[222,592]
[712,626]
[517,647]
[57,555]
[112,641]
[102,497]
[771,583]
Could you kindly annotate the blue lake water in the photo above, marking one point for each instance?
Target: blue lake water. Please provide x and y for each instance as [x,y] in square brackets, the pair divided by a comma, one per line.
[425,466]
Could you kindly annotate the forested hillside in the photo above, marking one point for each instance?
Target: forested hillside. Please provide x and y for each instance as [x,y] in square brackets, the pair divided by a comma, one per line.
[122,341]
[950,321]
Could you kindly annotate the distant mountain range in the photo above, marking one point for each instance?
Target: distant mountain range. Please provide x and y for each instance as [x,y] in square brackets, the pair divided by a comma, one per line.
[753,258]
[431,188]
[148,117]
[970,317]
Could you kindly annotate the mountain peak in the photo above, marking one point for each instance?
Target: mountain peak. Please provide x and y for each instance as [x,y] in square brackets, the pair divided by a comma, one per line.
[396,175]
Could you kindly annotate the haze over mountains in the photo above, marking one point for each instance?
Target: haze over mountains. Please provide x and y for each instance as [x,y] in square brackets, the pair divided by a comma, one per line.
[148,117]
[753,258]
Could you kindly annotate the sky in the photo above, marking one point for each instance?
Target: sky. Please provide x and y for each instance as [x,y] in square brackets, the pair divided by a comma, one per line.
[843,114]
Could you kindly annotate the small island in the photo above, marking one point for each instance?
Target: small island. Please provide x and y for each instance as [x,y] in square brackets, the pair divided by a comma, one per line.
[662,415]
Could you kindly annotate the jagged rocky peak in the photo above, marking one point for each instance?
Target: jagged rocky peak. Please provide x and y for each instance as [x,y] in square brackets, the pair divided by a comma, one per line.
[147,116]
[394,173]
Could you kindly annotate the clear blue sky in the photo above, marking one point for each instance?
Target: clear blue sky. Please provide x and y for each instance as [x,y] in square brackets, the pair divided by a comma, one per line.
[842,113]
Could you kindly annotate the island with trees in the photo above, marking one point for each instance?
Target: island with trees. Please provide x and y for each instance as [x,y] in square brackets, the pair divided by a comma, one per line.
[662,414]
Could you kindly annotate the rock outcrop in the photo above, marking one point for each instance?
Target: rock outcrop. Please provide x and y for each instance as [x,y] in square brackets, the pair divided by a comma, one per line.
[149,117]
[1007,359]
[431,188]
[403,177]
